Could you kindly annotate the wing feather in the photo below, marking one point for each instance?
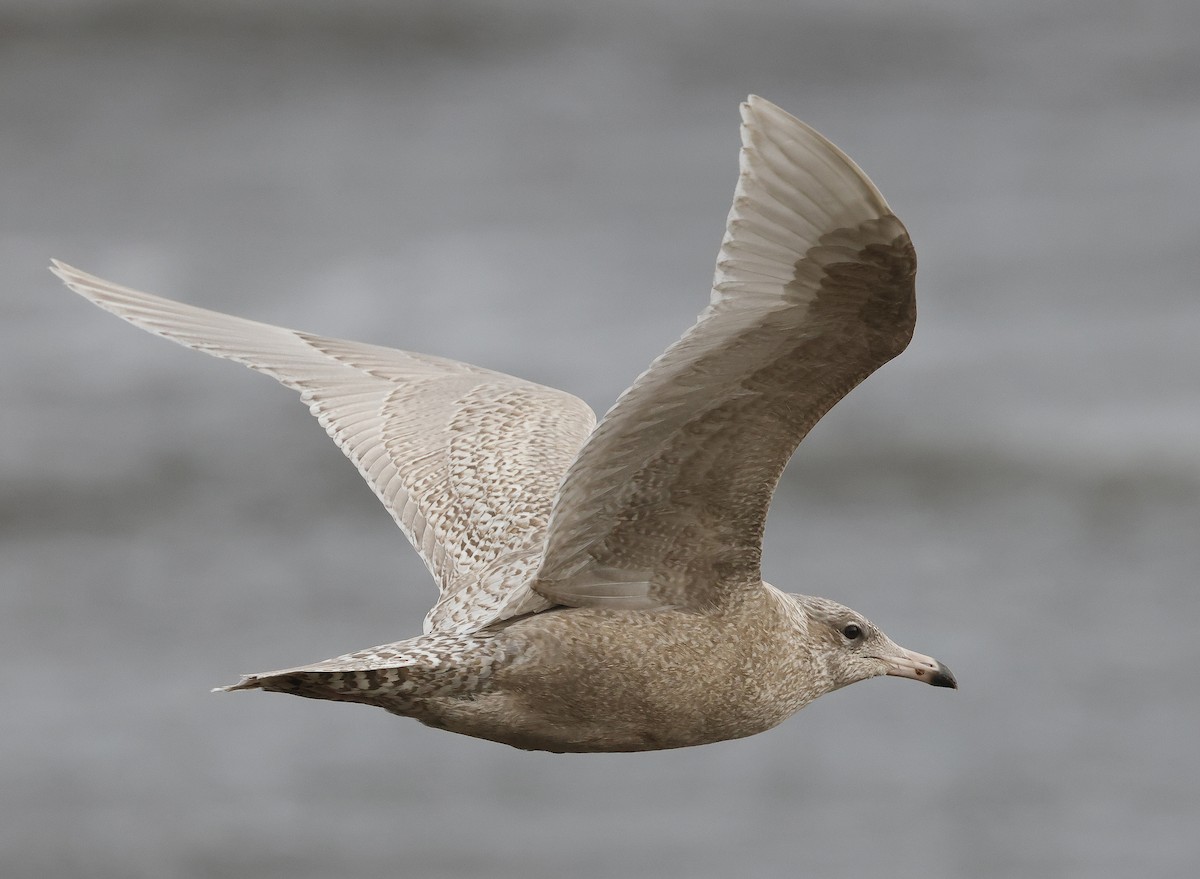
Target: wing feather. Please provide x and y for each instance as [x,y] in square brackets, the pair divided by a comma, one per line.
[466,460]
[666,503]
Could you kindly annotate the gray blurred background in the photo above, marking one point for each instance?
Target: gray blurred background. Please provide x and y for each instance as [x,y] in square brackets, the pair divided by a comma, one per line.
[541,189]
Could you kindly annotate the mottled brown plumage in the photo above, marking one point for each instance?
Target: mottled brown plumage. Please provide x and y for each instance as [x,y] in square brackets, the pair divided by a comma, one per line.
[600,585]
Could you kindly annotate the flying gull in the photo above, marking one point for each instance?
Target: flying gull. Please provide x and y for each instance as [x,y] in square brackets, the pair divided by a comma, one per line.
[600,584]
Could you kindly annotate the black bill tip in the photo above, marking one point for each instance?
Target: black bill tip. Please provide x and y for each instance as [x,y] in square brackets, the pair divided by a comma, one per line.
[943,677]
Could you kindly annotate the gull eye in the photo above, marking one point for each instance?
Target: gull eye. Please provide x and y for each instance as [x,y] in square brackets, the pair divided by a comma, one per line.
[852,632]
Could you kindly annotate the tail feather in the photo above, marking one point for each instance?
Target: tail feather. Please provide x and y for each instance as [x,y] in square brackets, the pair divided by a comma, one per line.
[248,682]
[362,685]
[393,676]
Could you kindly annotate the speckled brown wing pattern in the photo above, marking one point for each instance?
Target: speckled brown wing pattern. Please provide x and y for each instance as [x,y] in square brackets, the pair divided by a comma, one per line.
[466,460]
[667,501]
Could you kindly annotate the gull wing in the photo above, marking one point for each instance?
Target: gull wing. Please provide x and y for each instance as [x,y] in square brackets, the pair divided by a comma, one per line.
[466,460]
[666,503]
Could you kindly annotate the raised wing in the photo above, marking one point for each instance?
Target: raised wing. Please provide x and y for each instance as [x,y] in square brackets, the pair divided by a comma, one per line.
[466,460]
[666,503]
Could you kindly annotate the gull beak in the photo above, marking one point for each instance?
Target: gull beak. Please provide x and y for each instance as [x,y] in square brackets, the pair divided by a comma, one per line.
[919,667]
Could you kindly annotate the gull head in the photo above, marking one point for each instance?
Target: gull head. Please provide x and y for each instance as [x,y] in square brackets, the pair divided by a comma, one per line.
[852,648]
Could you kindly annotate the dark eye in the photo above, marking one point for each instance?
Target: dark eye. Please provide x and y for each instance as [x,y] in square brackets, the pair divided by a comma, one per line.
[852,632]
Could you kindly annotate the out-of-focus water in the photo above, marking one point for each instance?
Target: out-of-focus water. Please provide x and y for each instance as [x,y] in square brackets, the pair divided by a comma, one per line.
[542,191]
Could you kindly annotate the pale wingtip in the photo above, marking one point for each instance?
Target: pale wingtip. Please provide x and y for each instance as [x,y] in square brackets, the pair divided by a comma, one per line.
[749,107]
[760,116]
[68,274]
[60,268]
[755,104]
[763,120]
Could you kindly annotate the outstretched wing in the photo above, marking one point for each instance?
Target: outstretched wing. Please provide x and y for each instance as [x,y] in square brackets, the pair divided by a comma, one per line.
[466,460]
[666,503]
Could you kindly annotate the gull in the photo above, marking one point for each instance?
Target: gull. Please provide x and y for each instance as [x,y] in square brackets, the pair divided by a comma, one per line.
[600,584]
